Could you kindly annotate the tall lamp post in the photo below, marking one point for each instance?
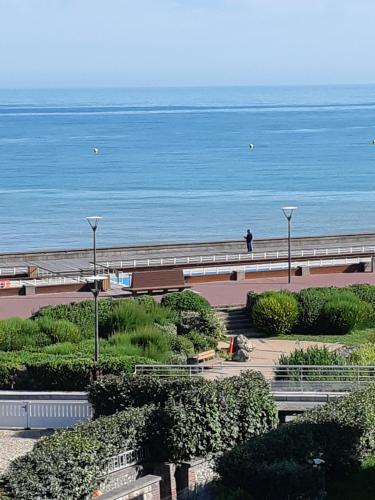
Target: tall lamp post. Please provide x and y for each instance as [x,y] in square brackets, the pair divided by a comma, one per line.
[288,212]
[95,289]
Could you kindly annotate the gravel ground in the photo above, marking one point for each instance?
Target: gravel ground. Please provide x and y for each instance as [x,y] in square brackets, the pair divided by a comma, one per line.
[15,443]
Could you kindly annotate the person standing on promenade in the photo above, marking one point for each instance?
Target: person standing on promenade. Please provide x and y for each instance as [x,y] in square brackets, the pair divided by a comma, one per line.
[249,241]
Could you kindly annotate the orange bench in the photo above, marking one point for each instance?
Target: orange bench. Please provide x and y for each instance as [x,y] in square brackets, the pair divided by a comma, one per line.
[162,281]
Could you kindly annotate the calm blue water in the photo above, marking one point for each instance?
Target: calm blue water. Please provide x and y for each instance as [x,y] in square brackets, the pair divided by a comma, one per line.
[174,164]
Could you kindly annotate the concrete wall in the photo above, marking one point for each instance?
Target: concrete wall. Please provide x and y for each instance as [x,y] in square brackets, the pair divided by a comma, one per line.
[184,249]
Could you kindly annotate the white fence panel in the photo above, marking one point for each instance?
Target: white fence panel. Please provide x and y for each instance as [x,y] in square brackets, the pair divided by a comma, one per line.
[43,414]
[13,414]
[57,414]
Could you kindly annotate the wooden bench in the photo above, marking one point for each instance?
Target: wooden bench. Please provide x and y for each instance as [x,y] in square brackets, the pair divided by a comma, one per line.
[161,281]
[201,356]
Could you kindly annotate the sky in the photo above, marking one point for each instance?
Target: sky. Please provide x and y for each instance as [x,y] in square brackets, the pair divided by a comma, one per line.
[115,43]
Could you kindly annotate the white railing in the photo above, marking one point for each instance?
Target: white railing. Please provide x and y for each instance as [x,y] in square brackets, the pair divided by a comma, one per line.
[124,460]
[62,280]
[236,257]
[273,266]
[12,271]
[293,378]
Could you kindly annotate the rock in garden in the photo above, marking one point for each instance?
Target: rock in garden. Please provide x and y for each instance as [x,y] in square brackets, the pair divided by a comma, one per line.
[242,348]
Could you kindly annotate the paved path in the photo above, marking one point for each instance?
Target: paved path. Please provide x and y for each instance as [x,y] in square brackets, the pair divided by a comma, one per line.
[234,292]
[15,443]
[218,293]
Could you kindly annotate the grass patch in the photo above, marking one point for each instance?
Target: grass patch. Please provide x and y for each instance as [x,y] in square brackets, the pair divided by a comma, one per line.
[359,485]
[354,338]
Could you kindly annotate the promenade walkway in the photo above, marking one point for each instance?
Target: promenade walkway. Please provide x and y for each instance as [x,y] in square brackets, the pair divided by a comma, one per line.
[217,293]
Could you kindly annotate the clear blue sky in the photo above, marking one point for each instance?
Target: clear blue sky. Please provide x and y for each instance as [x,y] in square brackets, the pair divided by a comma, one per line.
[62,43]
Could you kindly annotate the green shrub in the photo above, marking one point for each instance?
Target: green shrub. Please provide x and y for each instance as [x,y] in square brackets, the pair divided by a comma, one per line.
[185,301]
[17,334]
[198,416]
[201,342]
[181,345]
[168,328]
[59,330]
[343,313]
[310,304]
[251,299]
[127,316]
[40,371]
[147,341]
[206,323]
[81,314]
[312,356]
[363,355]
[69,463]
[364,292]
[276,313]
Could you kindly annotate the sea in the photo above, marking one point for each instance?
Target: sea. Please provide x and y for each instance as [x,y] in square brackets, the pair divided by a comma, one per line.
[175,164]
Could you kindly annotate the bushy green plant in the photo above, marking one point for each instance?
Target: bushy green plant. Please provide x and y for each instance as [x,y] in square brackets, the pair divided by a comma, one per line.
[81,314]
[127,316]
[59,330]
[201,342]
[181,345]
[149,341]
[186,300]
[206,323]
[168,328]
[343,313]
[313,355]
[363,355]
[276,313]
[17,334]
[364,292]
[310,304]
[68,464]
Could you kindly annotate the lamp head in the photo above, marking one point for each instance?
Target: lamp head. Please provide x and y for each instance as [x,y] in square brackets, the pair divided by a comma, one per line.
[93,220]
[288,211]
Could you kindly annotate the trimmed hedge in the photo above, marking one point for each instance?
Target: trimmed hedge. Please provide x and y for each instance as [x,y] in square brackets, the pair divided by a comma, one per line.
[320,310]
[198,416]
[68,463]
[34,371]
[275,313]
[342,432]
[185,301]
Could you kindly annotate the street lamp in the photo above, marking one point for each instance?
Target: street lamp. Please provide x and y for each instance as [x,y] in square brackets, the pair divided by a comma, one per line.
[95,282]
[288,212]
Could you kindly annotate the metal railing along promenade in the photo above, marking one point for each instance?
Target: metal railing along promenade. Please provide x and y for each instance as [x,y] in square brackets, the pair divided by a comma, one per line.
[291,378]
[236,257]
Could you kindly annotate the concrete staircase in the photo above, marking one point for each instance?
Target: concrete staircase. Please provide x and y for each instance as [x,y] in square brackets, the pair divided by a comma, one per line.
[236,320]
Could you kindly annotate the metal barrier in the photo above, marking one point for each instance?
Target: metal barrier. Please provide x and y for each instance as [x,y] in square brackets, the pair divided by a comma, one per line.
[236,257]
[293,378]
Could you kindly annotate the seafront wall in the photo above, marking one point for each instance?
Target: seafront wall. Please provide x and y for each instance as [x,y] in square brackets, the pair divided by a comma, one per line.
[189,249]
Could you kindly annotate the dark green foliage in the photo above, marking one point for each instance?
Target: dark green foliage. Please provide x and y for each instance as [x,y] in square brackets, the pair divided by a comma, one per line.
[275,313]
[201,342]
[342,433]
[310,304]
[251,299]
[199,416]
[343,313]
[17,334]
[59,330]
[312,356]
[185,301]
[68,463]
